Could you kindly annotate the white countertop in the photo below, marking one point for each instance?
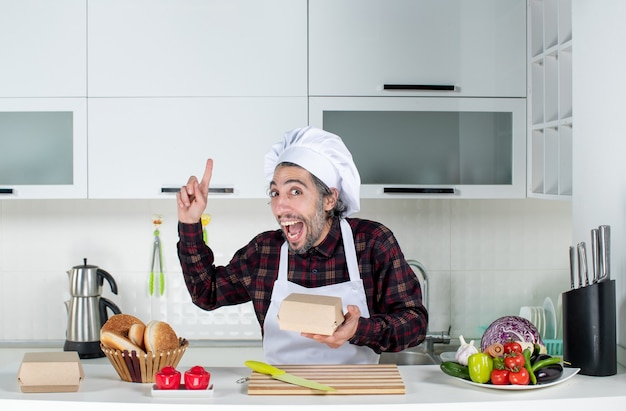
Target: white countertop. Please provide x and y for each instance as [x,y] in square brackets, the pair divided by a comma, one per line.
[425,385]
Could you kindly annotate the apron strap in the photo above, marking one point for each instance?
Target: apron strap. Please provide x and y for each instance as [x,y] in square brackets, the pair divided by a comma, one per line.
[283,266]
[349,250]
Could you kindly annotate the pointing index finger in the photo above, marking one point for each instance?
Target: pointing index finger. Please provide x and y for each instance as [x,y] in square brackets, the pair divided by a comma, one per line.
[208,171]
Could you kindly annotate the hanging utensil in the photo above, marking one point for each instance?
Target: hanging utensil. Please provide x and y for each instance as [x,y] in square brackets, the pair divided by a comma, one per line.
[157,254]
[205,220]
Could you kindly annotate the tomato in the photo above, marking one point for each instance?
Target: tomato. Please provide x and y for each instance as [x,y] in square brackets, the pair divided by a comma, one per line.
[167,379]
[514,361]
[197,378]
[500,377]
[480,366]
[520,377]
[512,346]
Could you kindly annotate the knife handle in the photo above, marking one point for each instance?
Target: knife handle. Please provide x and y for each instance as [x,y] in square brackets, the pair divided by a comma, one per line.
[572,266]
[604,244]
[582,262]
[263,368]
[595,255]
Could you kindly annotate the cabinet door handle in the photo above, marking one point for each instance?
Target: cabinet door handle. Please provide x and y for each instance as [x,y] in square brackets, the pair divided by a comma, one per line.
[212,190]
[423,87]
[416,190]
[6,191]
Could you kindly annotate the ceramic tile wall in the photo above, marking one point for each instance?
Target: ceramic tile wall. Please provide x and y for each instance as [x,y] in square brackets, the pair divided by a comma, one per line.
[485,258]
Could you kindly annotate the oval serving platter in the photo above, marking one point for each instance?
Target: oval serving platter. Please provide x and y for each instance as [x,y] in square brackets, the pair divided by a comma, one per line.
[567,374]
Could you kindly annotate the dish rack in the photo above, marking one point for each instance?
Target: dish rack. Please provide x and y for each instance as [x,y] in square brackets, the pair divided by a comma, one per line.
[554,347]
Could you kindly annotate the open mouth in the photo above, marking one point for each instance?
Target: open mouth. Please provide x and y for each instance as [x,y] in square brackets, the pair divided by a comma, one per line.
[293,229]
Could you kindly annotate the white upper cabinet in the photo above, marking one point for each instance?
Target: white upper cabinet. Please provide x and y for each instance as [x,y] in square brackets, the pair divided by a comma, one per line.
[43,148]
[477,47]
[550,119]
[161,48]
[43,48]
[146,148]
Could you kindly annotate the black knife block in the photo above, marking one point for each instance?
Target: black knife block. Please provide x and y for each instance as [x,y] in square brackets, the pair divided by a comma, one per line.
[589,336]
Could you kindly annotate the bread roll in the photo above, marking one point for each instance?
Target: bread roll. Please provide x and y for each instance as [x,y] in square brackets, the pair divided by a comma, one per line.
[159,336]
[135,334]
[120,324]
[116,341]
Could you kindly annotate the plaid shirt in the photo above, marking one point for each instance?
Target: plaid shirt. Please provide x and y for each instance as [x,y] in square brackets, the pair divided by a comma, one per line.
[398,319]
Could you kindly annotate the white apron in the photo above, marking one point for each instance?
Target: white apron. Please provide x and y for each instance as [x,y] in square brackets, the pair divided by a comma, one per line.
[289,347]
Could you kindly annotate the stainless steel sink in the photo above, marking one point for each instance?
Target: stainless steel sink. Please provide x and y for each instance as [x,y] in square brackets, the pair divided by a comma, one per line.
[418,355]
[409,357]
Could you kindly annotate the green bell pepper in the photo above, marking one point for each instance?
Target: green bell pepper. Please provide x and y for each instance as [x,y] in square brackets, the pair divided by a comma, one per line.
[480,366]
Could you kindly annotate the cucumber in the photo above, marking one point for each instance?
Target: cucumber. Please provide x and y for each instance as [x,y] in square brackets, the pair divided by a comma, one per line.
[455,369]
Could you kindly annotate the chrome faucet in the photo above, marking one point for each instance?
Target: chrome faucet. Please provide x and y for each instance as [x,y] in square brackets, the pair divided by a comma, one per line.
[432,338]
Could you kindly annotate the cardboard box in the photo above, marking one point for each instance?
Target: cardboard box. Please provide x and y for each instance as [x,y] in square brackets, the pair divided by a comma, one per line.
[50,372]
[316,314]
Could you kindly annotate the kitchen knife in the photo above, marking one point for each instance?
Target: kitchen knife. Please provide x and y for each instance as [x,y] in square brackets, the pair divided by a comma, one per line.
[572,266]
[582,264]
[282,375]
[604,245]
[595,256]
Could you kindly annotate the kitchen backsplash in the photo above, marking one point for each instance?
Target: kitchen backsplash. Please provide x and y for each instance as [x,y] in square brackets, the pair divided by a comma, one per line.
[484,258]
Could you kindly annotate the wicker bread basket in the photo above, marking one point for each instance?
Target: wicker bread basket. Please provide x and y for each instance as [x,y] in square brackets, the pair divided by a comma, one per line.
[133,367]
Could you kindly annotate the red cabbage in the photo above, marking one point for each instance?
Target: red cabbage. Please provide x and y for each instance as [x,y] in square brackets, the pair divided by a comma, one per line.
[508,328]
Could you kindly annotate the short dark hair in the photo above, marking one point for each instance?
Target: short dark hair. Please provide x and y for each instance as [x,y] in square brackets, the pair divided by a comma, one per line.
[340,208]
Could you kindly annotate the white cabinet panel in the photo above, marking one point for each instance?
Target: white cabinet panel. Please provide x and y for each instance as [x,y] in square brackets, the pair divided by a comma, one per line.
[43,48]
[358,46]
[197,48]
[138,146]
[43,148]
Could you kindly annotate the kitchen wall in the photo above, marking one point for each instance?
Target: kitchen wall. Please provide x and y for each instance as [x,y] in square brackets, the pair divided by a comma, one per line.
[485,258]
[599,195]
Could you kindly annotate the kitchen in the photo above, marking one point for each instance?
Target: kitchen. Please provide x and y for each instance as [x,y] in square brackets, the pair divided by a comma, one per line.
[468,244]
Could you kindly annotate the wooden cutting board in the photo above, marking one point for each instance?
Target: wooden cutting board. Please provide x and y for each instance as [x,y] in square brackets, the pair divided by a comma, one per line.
[346,379]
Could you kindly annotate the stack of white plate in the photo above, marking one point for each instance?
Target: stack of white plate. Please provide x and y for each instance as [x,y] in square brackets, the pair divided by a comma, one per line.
[535,315]
[544,318]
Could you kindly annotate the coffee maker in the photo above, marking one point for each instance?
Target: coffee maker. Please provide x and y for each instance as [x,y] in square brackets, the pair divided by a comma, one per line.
[87,310]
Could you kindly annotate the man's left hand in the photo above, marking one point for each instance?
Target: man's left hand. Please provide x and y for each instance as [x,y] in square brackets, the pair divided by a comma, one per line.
[343,333]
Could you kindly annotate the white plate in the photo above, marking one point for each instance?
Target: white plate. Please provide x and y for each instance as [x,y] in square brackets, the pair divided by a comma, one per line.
[182,392]
[567,374]
[548,307]
[559,317]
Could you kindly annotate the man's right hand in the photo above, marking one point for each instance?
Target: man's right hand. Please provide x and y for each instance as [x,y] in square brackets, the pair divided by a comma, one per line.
[192,198]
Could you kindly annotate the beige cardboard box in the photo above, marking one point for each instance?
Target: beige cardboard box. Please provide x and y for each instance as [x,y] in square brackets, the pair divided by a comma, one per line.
[316,314]
[50,372]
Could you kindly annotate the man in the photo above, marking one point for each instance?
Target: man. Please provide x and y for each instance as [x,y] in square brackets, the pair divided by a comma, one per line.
[314,185]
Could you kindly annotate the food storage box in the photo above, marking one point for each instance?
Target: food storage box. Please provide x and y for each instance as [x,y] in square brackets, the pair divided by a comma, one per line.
[50,372]
[316,314]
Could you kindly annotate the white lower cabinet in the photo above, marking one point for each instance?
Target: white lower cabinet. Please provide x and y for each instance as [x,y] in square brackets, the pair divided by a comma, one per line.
[146,148]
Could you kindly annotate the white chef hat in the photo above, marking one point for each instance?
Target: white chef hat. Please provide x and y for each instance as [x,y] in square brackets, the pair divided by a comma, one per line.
[325,156]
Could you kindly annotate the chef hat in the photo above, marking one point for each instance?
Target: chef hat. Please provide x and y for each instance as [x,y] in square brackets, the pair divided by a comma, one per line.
[325,156]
